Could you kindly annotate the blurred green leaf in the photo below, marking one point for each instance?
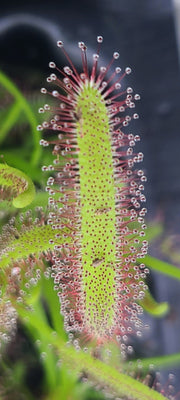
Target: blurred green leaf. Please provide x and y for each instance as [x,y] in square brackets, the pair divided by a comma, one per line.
[20,102]
[150,305]
[162,266]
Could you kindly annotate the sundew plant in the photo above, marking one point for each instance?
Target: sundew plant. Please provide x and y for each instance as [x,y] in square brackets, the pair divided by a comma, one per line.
[74,264]
[99,195]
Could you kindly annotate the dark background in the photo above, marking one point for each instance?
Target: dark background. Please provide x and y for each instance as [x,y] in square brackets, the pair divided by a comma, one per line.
[144,33]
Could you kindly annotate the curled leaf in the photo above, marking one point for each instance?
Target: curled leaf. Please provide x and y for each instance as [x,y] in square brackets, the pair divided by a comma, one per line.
[16,185]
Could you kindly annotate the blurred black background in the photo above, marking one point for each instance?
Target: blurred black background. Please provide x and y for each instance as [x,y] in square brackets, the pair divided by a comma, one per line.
[145,32]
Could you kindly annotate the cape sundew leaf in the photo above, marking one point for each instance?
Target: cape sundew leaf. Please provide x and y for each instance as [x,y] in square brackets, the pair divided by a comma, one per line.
[33,241]
[101,191]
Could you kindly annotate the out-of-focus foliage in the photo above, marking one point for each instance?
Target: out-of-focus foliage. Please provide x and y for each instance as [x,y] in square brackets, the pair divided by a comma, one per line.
[32,328]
